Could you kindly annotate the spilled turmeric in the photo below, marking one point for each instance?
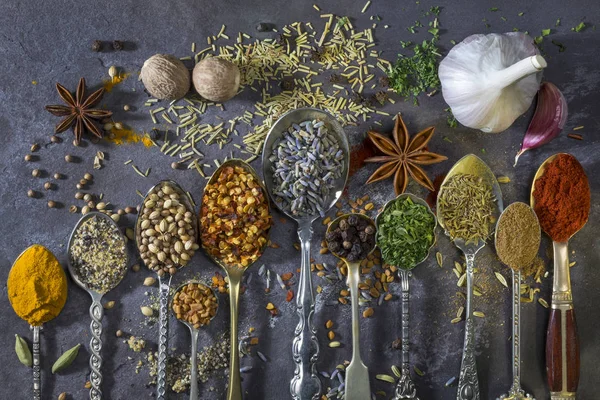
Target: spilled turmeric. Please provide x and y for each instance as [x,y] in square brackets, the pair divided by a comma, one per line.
[37,285]
[123,136]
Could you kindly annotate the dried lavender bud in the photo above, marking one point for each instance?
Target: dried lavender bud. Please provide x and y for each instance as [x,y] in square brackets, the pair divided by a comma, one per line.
[96,45]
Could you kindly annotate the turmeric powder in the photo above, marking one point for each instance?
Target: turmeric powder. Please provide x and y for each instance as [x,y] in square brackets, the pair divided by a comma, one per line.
[37,285]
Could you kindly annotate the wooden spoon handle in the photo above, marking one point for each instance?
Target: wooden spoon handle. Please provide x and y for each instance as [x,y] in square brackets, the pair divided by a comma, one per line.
[562,354]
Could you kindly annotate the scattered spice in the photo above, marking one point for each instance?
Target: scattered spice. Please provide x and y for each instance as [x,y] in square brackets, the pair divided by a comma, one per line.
[135,343]
[23,352]
[167,229]
[78,111]
[97,45]
[98,254]
[66,359]
[466,205]
[118,45]
[196,304]
[562,198]
[235,218]
[37,286]
[405,233]
[402,156]
[353,238]
[517,236]
[307,160]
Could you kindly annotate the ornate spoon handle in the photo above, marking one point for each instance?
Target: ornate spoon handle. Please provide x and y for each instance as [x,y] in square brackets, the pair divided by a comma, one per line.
[516,334]
[37,377]
[234,391]
[305,384]
[96,312]
[194,381]
[468,383]
[163,330]
[405,389]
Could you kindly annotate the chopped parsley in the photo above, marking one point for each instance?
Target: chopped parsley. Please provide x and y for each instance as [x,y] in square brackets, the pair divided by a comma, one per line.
[557,22]
[494,9]
[579,27]
[546,32]
[521,14]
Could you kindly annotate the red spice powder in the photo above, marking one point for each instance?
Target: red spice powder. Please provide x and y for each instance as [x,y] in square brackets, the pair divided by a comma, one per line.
[562,198]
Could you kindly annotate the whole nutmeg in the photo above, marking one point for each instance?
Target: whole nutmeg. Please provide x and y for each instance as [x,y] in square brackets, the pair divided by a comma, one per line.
[165,77]
[216,79]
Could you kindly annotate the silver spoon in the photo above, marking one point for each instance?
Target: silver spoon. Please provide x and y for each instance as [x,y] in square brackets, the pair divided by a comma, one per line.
[516,392]
[164,284]
[357,373]
[468,383]
[305,384]
[194,393]
[405,388]
[235,274]
[96,309]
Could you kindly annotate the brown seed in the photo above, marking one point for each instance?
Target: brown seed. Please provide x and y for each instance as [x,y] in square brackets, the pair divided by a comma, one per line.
[35,173]
[62,396]
[91,204]
[28,157]
[175,165]
[130,210]
[57,176]
[83,182]
[69,158]
[329,324]
[48,185]
[368,312]
[119,126]
[126,107]
[79,195]
[120,211]
[51,204]
[88,385]
[119,333]
[75,143]
[34,147]
[79,186]
[331,335]
[135,267]
[73,209]
[88,176]
[54,139]
[32,193]
[172,270]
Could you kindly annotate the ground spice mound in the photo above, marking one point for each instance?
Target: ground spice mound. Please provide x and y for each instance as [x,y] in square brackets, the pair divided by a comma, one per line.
[518,236]
[562,198]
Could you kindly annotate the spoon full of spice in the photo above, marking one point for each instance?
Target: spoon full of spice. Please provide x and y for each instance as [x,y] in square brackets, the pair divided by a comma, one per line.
[194,305]
[234,228]
[405,236]
[468,205]
[560,196]
[305,165]
[351,238]
[517,242]
[37,291]
[97,263]
[166,232]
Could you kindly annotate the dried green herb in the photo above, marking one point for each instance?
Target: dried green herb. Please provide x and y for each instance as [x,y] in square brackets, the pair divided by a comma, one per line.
[411,76]
[579,27]
[406,233]
[466,206]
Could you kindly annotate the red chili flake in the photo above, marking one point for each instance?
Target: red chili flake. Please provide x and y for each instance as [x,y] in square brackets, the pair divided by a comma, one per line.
[287,276]
[290,295]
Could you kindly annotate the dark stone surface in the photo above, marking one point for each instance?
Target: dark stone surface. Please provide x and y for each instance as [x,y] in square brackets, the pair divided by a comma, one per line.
[50,41]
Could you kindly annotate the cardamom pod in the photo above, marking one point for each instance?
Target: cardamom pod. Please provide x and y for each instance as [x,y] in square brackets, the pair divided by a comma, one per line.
[66,359]
[22,350]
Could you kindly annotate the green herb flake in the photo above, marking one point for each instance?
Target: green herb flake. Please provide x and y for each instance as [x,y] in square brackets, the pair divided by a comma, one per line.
[435,10]
[405,44]
[557,22]
[483,151]
[434,31]
[453,42]
[561,47]
[515,29]
[503,19]
[494,9]
[538,39]
[546,32]
[521,14]
[579,27]
[406,233]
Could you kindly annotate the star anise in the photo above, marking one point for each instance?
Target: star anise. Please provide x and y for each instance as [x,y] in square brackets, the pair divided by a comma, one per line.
[403,156]
[78,111]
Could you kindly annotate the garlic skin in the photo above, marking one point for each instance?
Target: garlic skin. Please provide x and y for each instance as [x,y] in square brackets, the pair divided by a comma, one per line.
[490,80]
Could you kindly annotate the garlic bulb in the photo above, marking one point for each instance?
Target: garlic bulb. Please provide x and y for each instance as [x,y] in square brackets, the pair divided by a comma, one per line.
[490,80]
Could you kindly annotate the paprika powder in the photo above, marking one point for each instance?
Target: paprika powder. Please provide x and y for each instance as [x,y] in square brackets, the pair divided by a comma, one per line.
[562,198]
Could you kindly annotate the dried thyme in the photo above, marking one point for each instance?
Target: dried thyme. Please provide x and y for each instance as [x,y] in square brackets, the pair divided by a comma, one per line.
[466,206]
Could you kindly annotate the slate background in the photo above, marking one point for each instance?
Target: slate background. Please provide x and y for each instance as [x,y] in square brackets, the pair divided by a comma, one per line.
[49,42]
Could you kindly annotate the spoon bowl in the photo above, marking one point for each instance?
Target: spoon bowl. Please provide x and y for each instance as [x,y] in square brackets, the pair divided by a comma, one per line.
[405,388]
[562,340]
[164,282]
[235,274]
[96,309]
[357,374]
[305,349]
[468,384]
[194,393]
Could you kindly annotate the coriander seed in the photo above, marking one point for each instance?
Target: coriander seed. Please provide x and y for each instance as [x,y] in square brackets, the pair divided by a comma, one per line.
[175,165]
[48,185]
[87,197]
[79,186]
[91,204]
[73,209]
[112,72]
[79,195]
[35,173]
[32,193]
[28,157]
[119,126]
[85,210]
[51,204]
[108,126]
[130,210]
[57,176]
[83,182]
[115,217]
[119,333]
[34,147]
[101,205]
[126,107]
[69,158]
[54,139]
[88,176]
